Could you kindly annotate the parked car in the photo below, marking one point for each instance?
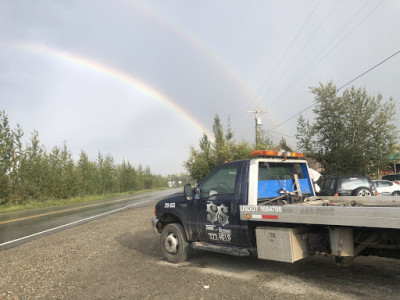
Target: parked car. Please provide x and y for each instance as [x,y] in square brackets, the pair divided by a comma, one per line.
[392,177]
[387,188]
[346,185]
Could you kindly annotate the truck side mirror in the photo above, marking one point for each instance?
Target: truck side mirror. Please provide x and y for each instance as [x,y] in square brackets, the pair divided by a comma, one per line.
[188,192]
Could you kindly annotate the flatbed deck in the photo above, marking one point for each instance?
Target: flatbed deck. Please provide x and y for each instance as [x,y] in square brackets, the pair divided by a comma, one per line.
[374,212]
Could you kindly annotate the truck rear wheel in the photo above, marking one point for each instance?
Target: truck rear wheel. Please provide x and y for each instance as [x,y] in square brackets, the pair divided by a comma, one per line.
[174,244]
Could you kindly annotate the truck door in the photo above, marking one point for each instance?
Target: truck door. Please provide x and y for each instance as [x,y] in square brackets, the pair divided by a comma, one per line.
[216,206]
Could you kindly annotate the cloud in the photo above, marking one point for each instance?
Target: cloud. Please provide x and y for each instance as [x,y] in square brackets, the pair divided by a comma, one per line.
[143,80]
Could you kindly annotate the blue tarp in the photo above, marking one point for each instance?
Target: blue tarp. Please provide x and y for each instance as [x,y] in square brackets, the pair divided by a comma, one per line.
[271,188]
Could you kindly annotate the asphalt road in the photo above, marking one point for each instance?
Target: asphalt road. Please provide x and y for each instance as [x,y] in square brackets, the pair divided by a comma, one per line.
[118,257]
[20,227]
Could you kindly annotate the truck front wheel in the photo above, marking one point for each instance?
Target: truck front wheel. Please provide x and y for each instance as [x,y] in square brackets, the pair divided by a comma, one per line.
[174,244]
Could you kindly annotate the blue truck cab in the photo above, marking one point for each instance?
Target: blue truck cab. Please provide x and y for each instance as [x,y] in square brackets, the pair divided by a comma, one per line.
[207,216]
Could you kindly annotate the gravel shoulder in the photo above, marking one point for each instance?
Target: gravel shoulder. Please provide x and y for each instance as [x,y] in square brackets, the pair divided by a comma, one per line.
[118,257]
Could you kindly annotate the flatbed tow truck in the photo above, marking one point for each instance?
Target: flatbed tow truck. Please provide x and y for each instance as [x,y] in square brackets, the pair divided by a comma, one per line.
[266,206]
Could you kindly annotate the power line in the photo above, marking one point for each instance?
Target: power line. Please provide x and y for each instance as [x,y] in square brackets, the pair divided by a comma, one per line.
[377,65]
[316,60]
[337,90]
[254,99]
[310,66]
[282,135]
[302,49]
[289,48]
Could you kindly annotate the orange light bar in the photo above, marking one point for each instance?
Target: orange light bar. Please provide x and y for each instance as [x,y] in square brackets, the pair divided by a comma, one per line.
[276,153]
[264,153]
[297,154]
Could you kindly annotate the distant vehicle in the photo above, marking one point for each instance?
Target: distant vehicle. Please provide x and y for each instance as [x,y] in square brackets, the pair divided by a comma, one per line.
[387,188]
[346,185]
[392,177]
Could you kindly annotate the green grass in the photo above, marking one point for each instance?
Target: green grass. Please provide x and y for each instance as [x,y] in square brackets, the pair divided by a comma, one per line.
[34,204]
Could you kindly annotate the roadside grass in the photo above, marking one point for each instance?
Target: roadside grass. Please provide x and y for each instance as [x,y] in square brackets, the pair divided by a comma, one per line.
[35,204]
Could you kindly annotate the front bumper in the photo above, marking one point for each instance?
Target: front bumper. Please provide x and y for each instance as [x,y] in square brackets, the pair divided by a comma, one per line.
[154,223]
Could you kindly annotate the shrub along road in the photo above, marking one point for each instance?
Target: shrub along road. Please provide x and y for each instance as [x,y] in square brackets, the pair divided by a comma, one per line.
[118,256]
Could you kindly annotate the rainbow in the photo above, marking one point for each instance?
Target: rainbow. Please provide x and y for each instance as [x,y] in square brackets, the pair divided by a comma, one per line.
[120,76]
[252,99]
[197,44]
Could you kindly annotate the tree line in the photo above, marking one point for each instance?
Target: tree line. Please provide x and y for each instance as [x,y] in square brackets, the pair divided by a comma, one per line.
[31,172]
[352,133]
[224,148]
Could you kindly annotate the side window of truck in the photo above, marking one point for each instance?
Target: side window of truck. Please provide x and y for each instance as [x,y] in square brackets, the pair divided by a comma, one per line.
[221,182]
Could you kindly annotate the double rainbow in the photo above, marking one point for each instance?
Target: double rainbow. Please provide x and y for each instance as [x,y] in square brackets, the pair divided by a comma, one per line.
[119,75]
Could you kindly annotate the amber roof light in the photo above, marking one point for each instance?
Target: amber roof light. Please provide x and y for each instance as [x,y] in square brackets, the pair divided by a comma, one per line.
[272,153]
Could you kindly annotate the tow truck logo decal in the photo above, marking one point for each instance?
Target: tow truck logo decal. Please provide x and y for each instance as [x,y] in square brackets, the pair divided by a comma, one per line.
[217,213]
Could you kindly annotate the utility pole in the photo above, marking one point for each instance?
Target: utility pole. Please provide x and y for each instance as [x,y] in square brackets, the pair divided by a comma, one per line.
[258,122]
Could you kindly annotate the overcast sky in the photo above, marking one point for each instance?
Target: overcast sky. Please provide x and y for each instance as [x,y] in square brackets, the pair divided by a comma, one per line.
[142,80]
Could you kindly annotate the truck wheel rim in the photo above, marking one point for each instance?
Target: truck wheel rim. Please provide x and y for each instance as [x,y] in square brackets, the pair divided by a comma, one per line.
[171,243]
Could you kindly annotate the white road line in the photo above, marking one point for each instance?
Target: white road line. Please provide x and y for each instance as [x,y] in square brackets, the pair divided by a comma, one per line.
[72,223]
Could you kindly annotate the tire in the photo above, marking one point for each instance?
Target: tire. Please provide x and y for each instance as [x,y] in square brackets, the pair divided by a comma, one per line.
[362,191]
[396,193]
[174,245]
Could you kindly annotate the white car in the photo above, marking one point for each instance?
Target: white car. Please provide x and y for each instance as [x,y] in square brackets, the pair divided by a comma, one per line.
[387,188]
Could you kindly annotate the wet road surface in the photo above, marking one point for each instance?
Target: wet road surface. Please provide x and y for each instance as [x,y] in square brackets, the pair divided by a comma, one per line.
[20,227]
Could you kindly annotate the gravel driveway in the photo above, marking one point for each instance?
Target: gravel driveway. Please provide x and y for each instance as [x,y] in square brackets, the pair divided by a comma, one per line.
[118,257]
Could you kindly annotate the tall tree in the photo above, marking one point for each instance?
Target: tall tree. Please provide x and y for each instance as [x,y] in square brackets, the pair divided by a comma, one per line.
[220,146]
[86,174]
[6,156]
[264,141]
[126,177]
[284,146]
[223,148]
[351,133]
[33,171]
[107,174]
